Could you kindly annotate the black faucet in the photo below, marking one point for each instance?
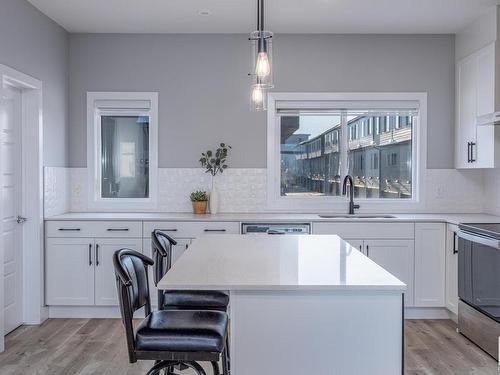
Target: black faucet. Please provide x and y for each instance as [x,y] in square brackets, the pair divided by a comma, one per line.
[352,206]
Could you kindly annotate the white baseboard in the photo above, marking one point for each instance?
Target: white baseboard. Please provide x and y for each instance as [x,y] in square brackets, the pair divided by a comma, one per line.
[89,312]
[102,312]
[428,313]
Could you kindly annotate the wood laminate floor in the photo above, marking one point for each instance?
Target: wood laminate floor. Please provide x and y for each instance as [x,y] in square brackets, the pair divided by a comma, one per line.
[97,346]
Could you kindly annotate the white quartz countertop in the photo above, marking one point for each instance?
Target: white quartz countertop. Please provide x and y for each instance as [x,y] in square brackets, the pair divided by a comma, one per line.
[453,218]
[293,262]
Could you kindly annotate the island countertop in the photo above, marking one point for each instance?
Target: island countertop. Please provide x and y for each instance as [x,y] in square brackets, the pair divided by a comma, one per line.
[288,262]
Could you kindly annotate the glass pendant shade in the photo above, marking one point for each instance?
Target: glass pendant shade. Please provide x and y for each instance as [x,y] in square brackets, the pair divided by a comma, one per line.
[262,58]
[258,98]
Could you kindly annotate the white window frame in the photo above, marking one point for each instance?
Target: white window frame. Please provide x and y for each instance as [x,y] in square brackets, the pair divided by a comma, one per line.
[276,202]
[124,103]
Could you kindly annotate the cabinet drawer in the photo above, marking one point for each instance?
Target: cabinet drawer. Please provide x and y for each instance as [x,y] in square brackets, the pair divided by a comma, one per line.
[366,230]
[112,229]
[192,229]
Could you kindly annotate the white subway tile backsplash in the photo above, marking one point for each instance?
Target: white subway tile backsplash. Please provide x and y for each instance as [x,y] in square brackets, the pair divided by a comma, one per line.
[79,189]
[492,191]
[244,190]
[56,183]
[241,190]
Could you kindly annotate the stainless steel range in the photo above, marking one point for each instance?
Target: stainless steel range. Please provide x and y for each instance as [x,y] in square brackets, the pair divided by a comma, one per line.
[479,285]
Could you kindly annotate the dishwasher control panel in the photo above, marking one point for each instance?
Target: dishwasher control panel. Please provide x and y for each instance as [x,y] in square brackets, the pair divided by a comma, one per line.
[275,228]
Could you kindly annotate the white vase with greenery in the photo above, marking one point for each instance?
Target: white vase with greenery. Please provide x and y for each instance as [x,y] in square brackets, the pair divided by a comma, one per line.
[215,163]
[214,198]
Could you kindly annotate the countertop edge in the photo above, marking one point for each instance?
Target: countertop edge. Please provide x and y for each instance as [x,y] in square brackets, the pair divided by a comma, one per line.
[451,218]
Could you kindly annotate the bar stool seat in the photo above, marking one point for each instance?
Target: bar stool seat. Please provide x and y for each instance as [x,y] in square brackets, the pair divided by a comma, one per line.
[182,331]
[195,299]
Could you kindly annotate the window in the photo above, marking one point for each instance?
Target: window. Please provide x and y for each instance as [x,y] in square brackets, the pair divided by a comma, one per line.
[122,150]
[373,140]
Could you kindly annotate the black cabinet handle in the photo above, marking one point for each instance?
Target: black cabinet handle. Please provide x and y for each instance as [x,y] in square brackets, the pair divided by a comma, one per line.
[472,144]
[90,254]
[367,250]
[455,250]
[214,230]
[168,230]
[69,229]
[468,152]
[117,229]
[361,248]
[97,254]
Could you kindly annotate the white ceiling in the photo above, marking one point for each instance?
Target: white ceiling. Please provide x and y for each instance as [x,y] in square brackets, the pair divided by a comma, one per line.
[283,16]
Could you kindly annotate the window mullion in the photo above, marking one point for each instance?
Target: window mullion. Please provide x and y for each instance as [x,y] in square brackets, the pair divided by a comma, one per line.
[344,167]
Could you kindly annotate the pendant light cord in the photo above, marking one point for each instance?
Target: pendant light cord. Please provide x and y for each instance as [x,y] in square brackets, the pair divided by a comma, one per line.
[261,15]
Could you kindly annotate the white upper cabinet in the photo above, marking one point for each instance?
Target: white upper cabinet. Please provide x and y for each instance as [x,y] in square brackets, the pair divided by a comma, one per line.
[476,147]
[485,98]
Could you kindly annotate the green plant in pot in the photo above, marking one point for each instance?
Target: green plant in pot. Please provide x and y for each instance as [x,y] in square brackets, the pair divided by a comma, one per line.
[199,200]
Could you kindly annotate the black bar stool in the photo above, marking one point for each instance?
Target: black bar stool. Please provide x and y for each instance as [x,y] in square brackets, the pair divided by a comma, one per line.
[180,299]
[169,337]
[183,299]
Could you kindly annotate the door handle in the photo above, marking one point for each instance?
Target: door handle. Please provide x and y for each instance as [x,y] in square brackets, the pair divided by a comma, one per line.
[361,248]
[214,230]
[117,229]
[21,219]
[472,144]
[367,251]
[455,250]
[97,255]
[169,230]
[90,254]
[69,229]
[468,152]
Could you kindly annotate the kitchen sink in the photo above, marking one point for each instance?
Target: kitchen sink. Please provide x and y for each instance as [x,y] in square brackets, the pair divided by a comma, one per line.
[344,216]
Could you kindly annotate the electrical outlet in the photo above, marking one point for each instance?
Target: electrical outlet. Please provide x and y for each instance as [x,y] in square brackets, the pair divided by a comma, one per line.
[438,192]
[77,190]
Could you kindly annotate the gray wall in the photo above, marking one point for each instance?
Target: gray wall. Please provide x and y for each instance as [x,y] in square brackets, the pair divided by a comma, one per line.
[203,85]
[35,45]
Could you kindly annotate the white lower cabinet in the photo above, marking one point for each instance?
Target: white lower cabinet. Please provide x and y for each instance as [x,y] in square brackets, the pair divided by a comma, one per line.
[105,284]
[177,251]
[358,244]
[451,292]
[69,273]
[395,256]
[430,243]
[79,270]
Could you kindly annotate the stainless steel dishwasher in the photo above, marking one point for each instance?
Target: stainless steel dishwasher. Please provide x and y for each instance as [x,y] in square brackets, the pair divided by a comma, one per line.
[275,228]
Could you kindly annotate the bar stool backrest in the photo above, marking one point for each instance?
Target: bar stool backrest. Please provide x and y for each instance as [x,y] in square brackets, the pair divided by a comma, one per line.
[133,290]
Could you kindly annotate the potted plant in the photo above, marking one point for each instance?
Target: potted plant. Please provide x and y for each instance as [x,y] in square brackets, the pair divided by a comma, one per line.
[199,200]
[215,163]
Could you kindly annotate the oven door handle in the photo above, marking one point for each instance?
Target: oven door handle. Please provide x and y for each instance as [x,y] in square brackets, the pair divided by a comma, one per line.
[479,239]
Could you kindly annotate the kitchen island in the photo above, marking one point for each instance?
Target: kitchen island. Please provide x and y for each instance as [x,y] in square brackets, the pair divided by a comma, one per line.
[299,304]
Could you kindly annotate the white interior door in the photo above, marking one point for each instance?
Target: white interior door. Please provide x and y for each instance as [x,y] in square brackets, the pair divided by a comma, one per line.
[11,200]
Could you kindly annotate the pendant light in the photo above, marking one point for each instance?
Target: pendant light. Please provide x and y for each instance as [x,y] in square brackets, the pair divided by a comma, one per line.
[261,68]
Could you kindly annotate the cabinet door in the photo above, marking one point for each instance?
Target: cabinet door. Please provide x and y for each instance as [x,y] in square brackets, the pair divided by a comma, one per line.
[466,110]
[69,271]
[397,257]
[451,292]
[357,243]
[430,264]
[105,284]
[485,99]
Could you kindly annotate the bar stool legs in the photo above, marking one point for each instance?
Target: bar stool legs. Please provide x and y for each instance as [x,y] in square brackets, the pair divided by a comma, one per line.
[168,365]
